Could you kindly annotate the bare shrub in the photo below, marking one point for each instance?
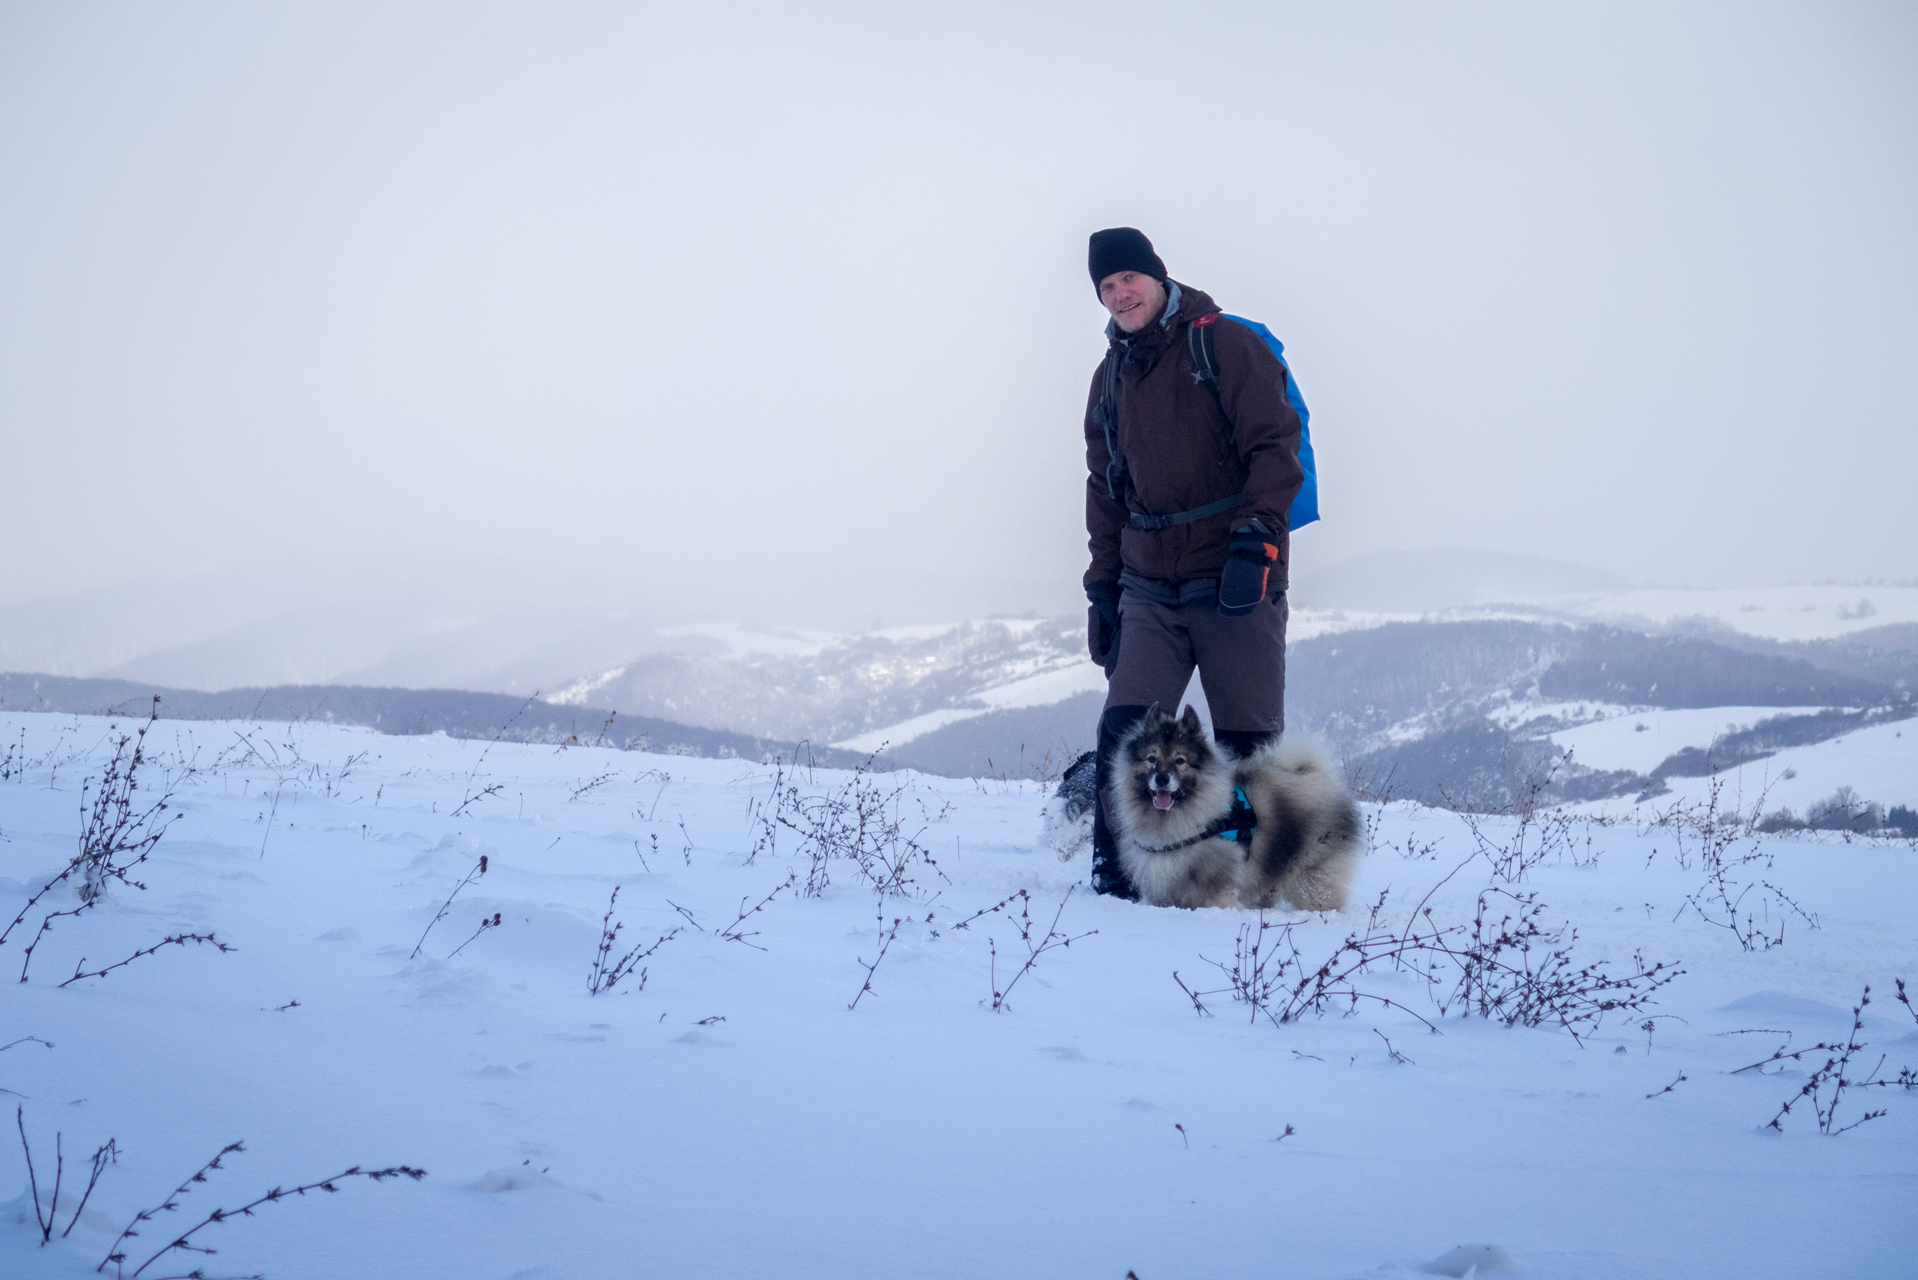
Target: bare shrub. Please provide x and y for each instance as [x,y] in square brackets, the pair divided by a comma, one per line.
[1054,939]
[1826,1086]
[1759,926]
[1542,831]
[1753,910]
[607,971]
[1520,973]
[1512,969]
[860,821]
[1273,979]
[118,832]
[13,764]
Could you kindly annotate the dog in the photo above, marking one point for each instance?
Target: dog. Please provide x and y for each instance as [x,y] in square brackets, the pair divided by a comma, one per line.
[1198,827]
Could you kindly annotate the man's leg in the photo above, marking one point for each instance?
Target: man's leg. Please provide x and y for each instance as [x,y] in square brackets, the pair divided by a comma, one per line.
[1107,875]
[1242,668]
[1155,663]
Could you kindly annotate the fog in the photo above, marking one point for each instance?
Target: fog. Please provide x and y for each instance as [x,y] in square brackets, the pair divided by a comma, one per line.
[780,313]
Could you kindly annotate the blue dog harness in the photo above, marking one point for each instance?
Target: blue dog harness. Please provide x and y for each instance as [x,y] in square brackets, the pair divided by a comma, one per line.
[1238,824]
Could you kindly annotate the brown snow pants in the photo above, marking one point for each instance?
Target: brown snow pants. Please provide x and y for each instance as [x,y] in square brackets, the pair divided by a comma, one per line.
[1241,661]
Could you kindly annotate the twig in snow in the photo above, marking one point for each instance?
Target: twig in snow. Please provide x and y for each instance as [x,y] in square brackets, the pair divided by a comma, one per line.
[471,876]
[171,1203]
[733,933]
[25,1040]
[271,814]
[107,1153]
[277,1194]
[471,797]
[1198,1005]
[177,940]
[47,1219]
[1397,1057]
[484,925]
[1668,1088]
[1053,940]
[885,943]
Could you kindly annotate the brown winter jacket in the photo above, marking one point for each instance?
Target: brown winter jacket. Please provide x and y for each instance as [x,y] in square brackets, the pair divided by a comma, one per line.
[1172,440]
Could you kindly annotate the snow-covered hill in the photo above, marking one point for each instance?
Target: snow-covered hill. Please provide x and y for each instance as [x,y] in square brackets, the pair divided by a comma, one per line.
[721,1111]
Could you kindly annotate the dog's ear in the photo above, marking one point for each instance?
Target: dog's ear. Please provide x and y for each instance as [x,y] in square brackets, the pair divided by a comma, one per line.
[1152,715]
[1190,720]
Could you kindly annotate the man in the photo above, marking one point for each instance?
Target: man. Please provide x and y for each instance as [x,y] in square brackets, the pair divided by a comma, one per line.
[1187,491]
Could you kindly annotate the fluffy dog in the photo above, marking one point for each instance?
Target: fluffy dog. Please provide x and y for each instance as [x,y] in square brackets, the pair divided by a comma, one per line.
[1198,827]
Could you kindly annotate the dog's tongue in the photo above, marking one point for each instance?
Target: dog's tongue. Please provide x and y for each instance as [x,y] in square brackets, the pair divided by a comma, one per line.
[1161,799]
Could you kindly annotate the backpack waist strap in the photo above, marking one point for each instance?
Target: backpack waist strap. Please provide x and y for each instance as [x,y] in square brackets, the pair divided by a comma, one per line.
[1155,523]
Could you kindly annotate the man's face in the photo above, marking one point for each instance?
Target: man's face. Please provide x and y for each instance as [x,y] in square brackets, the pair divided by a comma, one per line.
[1134,298]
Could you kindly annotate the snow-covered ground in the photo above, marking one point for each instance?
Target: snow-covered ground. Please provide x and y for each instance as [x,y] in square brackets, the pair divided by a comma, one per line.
[1641,740]
[1777,613]
[733,1117]
[1879,763]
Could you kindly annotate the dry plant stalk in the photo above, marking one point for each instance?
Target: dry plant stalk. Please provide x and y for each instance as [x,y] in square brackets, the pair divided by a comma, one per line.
[478,870]
[48,1218]
[117,834]
[607,971]
[1512,969]
[859,821]
[183,1242]
[1053,940]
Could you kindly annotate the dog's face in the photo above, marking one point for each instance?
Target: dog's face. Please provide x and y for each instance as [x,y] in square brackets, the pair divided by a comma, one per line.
[1165,757]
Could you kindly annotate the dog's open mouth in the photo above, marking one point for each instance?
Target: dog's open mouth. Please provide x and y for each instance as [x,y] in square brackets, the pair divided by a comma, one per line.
[1162,800]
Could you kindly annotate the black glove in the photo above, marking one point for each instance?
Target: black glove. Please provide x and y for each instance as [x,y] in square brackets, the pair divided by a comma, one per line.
[1248,572]
[1102,624]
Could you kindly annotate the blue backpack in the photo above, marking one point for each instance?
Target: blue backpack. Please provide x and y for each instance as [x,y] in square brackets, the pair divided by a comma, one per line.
[1305,505]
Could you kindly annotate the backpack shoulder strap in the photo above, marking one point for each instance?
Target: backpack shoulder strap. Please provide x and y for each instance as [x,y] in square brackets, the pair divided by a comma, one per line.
[1205,369]
[1205,364]
[1108,415]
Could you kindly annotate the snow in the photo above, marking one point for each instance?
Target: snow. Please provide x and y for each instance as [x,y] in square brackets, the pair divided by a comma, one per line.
[1310,624]
[1621,743]
[1777,613]
[1043,689]
[906,730]
[733,1117]
[1879,763]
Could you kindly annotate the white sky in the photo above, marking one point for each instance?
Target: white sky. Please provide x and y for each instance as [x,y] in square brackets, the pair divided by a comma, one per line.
[755,308]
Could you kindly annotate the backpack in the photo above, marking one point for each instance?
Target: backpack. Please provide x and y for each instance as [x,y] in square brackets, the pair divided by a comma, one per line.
[1305,504]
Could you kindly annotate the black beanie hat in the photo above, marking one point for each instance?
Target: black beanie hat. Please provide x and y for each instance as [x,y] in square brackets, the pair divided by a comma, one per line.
[1123,249]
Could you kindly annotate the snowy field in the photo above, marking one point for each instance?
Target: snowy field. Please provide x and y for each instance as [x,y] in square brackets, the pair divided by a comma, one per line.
[1879,763]
[731,1116]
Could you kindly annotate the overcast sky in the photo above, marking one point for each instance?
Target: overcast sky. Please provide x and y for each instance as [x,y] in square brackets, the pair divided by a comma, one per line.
[713,309]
